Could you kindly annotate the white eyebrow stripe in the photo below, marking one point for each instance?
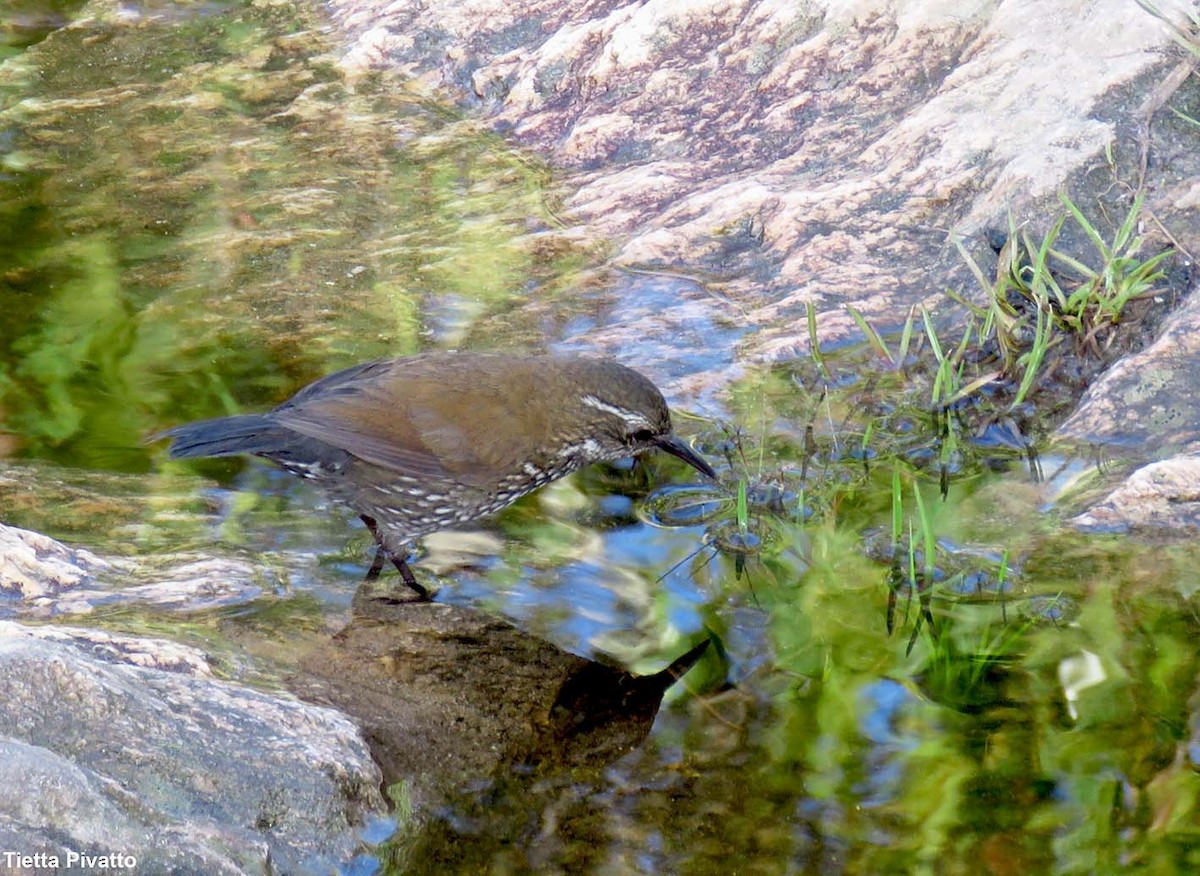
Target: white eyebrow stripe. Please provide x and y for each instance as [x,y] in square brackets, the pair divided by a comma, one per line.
[631,418]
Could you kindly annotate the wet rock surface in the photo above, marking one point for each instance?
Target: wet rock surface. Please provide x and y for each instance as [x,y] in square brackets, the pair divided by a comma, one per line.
[161,761]
[804,152]
[42,578]
[447,695]
[65,810]
[34,566]
[1162,496]
[1146,404]
[428,695]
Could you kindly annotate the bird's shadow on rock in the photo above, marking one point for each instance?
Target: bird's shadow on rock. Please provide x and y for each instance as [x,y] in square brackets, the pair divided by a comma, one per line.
[448,696]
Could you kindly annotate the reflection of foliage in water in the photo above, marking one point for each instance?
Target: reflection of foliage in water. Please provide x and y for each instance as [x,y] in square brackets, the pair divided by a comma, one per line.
[24,23]
[842,754]
[864,750]
[202,214]
[847,750]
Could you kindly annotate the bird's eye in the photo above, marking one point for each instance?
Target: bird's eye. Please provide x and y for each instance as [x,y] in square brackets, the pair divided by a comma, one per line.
[641,436]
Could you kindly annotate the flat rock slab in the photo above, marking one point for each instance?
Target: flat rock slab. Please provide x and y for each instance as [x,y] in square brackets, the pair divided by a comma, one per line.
[1147,404]
[163,762]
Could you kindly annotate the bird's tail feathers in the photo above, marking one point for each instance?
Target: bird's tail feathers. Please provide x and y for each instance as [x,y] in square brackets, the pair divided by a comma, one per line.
[225,436]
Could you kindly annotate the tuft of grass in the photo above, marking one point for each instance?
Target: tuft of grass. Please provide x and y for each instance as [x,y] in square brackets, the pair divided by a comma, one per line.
[1084,309]
[1096,299]
[1186,33]
[1122,277]
[955,670]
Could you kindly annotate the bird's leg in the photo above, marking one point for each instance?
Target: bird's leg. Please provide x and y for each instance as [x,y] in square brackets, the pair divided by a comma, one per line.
[376,564]
[409,578]
[399,562]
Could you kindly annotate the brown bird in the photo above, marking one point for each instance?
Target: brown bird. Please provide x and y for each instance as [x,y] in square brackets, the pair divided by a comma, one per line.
[427,442]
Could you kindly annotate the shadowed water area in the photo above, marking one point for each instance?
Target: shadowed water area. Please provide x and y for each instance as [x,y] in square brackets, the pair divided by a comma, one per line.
[913,665]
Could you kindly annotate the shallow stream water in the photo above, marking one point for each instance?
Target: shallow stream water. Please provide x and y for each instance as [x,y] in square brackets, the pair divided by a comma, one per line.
[916,665]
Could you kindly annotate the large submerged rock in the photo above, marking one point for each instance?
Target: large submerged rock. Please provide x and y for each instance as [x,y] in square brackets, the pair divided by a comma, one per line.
[446,694]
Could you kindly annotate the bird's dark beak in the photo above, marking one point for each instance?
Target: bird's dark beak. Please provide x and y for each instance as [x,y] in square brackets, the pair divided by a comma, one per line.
[676,447]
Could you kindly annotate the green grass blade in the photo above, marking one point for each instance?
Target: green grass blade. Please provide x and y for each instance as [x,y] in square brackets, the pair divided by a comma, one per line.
[976,311]
[975,385]
[872,336]
[912,554]
[1041,282]
[960,351]
[897,508]
[927,536]
[940,380]
[931,333]
[814,345]
[1186,117]
[1087,227]
[1033,359]
[984,283]
[906,335]
[1125,234]
[1073,263]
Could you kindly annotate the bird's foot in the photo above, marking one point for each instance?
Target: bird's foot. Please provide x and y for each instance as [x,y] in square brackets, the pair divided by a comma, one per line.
[382,554]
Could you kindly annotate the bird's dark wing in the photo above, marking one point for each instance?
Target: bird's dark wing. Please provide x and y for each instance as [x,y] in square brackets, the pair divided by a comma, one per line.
[360,440]
[454,417]
[345,410]
[393,414]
